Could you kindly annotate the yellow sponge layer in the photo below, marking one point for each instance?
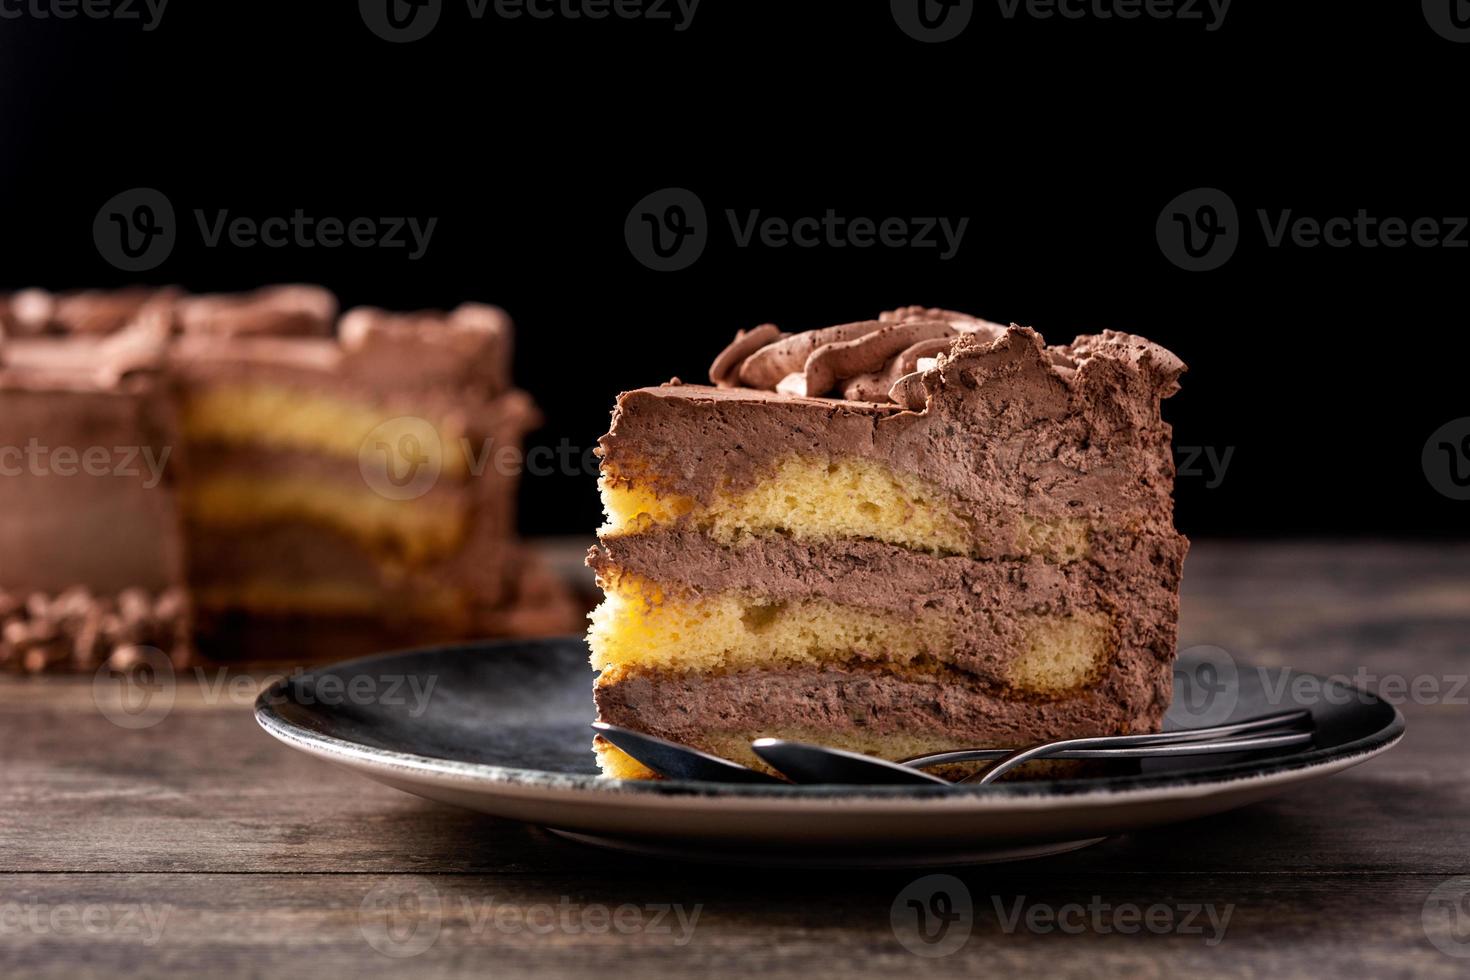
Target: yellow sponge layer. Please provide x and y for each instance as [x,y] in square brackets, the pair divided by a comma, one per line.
[1061,654]
[617,764]
[837,497]
[1059,540]
[640,625]
[288,418]
[807,498]
[410,531]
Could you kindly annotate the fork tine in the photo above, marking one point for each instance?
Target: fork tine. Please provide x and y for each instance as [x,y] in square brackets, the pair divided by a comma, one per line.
[1192,736]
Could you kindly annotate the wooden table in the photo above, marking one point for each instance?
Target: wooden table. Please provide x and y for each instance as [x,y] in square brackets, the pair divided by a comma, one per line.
[201,847]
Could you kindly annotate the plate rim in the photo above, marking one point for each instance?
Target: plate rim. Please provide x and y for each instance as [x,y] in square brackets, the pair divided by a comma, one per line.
[683,794]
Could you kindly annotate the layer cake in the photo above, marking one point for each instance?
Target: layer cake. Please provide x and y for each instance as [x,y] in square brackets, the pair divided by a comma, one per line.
[908,534]
[267,481]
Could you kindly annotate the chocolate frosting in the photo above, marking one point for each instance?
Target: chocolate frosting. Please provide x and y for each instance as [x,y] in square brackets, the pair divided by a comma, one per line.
[100,339]
[888,359]
[947,705]
[35,312]
[278,311]
[470,345]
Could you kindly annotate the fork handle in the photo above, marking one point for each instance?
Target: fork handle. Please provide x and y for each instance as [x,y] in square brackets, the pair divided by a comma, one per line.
[1251,744]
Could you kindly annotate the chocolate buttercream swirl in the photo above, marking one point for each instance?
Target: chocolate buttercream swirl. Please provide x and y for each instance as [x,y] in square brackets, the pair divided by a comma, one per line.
[871,360]
[726,369]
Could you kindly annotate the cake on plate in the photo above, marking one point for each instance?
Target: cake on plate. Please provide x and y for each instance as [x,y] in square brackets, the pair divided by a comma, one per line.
[249,476]
[904,535]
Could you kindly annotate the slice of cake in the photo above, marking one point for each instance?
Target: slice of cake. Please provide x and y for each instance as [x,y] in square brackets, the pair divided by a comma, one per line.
[899,536]
[304,486]
[346,484]
[91,557]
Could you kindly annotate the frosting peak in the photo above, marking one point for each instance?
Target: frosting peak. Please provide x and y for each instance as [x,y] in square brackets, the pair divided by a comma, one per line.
[864,361]
[885,360]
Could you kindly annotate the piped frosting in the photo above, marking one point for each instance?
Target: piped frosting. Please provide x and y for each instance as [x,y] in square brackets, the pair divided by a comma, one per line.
[887,359]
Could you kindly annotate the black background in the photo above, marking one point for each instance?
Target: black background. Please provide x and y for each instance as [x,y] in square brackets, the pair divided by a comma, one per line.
[1325,369]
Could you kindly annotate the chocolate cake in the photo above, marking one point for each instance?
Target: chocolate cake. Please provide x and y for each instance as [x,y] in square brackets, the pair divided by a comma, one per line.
[246,475]
[898,536]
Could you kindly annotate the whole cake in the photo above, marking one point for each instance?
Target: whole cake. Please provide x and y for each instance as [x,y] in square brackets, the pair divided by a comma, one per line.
[905,535]
[248,476]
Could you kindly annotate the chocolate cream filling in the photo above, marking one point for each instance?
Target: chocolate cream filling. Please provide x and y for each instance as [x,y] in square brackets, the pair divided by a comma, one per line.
[847,699]
[976,616]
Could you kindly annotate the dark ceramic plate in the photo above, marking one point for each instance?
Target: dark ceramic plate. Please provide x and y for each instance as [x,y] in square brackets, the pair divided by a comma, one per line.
[503,728]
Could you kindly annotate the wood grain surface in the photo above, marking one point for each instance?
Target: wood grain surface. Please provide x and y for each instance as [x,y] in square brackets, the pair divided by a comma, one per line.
[200,846]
